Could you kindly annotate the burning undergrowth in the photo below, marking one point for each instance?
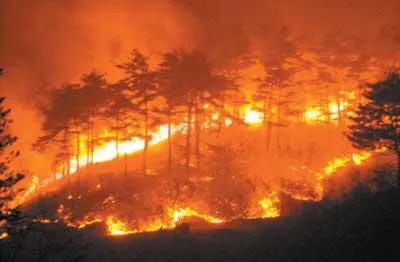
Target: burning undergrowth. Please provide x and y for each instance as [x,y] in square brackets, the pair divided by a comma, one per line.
[236,179]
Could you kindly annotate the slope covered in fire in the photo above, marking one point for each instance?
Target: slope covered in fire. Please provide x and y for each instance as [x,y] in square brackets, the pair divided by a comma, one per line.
[185,138]
[237,179]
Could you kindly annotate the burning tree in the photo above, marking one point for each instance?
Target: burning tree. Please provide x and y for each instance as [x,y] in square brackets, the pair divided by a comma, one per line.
[377,122]
[141,89]
[172,91]
[71,112]
[9,215]
[187,80]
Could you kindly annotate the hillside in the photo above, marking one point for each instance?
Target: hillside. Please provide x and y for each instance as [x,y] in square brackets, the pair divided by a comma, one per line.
[362,227]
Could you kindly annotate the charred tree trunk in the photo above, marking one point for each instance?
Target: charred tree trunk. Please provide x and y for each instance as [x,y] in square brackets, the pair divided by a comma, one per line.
[266,125]
[188,138]
[77,158]
[88,147]
[117,136]
[221,122]
[269,125]
[169,139]
[78,144]
[278,122]
[197,127]
[339,111]
[92,140]
[146,136]
[126,159]
[68,152]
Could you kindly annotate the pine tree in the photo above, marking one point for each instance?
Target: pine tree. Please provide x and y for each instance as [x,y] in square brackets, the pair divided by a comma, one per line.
[141,89]
[10,216]
[170,88]
[193,82]
[72,110]
[376,123]
[92,97]
[64,106]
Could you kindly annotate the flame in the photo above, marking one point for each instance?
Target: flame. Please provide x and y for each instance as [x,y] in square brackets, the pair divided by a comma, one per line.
[174,217]
[3,235]
[179,214]
[251,116]
[358,159]
[117,227]
[34,185]
[334,165]
[228,122]
[313,115]
[270,205]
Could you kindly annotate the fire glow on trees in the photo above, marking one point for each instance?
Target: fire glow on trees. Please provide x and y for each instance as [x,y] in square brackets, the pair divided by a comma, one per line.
[189,102]
[267,206]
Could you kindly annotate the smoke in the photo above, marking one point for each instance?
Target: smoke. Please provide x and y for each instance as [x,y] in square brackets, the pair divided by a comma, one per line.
[46,43]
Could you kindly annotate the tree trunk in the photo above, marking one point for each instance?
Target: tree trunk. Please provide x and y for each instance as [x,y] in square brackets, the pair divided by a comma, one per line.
[126,158]
[88,147]
[269,132]
[339,111]
[68,152]
[269,125]
[146,138]
[169,140]
[278,121]
[77,159]
[78,144]
[92,141]
[188,137]
[117,136]
[221,122]
[197,134]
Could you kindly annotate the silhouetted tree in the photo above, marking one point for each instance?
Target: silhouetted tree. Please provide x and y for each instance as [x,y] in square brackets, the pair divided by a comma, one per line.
[73,109]
[93,98]
[142,90]
[377,122]
[199,85]
[10,216]
[275,92]
[64,105]
[171,89]
[119,108]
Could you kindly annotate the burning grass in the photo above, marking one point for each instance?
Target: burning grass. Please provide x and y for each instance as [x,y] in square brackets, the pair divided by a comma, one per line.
[231,184]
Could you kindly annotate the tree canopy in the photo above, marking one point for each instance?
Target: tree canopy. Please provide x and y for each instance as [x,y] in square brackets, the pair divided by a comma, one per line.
[376,123]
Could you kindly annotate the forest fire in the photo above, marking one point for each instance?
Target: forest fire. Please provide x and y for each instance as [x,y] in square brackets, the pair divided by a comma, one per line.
[268,206]
[134,133]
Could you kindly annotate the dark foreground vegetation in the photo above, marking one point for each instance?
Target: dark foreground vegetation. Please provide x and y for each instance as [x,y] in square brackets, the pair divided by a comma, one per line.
[362,227]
